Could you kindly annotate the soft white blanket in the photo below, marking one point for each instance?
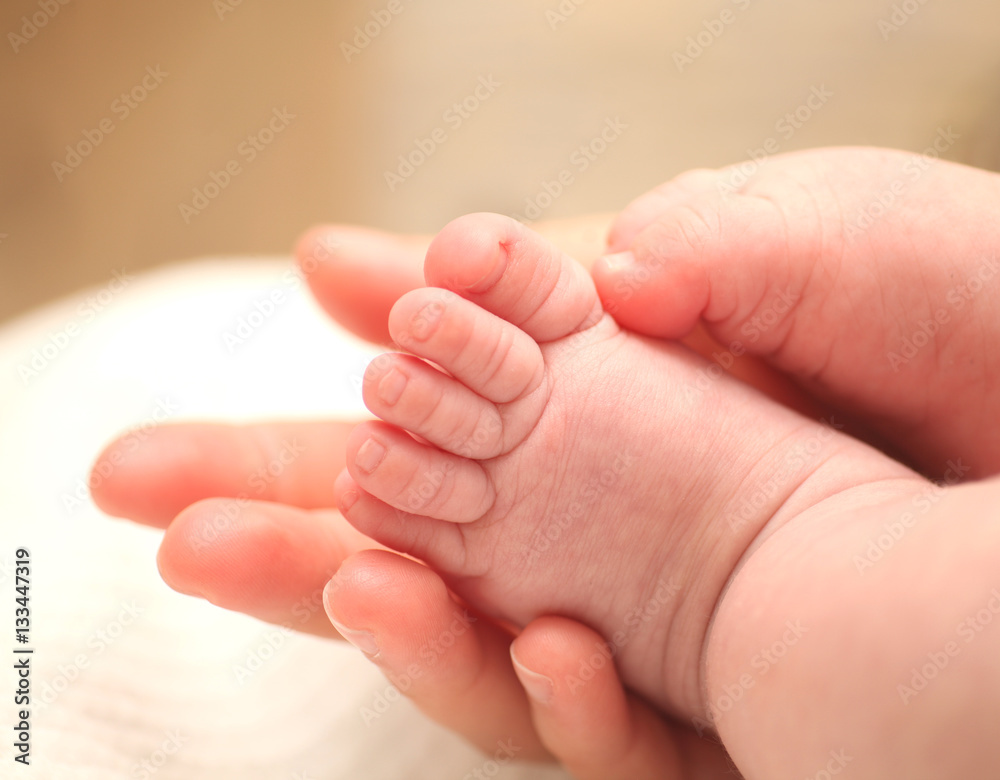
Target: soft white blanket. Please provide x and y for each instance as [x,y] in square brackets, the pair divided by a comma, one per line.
[128,678]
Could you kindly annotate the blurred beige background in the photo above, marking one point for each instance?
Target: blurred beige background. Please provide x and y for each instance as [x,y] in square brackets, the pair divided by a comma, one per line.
[550,75]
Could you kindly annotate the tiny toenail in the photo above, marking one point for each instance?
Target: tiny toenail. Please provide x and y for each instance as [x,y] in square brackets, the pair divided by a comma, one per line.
[620,261]
[363,640]
[425,320]
[391,386]
[370,455]
[493,274]
[537,686]
[349,499]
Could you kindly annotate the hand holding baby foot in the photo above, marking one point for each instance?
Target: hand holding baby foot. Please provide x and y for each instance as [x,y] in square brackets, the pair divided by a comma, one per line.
[564,466]
[868,275]
[243,564]
[730,525]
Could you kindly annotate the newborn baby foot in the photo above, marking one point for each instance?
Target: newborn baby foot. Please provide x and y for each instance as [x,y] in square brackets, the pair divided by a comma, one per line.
[869,275]
[545,461]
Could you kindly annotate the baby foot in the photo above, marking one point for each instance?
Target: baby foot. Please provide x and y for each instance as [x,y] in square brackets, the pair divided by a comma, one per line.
[871,276]
[558,464]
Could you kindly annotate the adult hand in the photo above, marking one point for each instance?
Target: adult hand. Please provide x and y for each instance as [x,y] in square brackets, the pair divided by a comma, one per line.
[273,558]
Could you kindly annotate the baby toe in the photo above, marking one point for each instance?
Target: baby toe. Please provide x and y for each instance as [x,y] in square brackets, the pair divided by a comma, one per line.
[409,393]
[416,478]
[514,273]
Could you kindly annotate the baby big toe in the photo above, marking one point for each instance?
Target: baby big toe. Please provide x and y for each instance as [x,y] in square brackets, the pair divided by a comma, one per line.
[514,273]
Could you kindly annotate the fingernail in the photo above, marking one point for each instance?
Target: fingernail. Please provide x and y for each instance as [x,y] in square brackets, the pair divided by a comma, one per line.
[369,456]
[619,261]
[538,686]
[493,273]
[425,320]
[349,499]
[363,640]
[391,386]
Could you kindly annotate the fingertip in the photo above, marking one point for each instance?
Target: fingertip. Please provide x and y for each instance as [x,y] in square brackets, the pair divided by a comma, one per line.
[467,255]
[362,434]
[381,574]
[395,600]
[195,555]
[569,674]
[357,273]
[514,273]
[267,560]
[650,295]
[345,491]
[582,712]
[539,687]
[148,479]
[103,491]
[552,647]
[347,601]
[316,246]
[447,660]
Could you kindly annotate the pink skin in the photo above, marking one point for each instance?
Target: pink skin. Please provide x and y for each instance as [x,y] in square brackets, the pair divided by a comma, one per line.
[178,469]
[599,731]
[510,434]
[786,266]
[525,420]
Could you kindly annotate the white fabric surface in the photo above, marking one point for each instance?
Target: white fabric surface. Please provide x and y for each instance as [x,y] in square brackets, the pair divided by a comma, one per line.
[111,690]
